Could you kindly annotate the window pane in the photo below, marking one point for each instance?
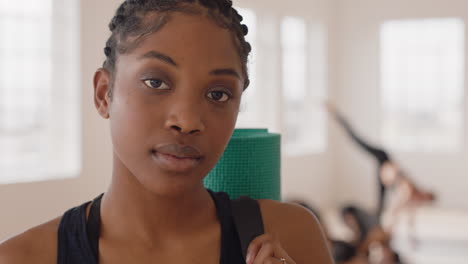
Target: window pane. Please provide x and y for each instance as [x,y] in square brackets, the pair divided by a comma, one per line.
[304,86]
[249,112]
[422,67]
[33,124]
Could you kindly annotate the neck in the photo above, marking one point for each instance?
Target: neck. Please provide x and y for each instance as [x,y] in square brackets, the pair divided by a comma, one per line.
[130,212]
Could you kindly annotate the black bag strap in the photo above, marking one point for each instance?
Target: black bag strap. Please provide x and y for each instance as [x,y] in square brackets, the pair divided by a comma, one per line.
[248,220]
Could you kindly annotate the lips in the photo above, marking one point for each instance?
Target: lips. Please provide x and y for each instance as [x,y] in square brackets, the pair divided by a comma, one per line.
[179,151]
[176,158]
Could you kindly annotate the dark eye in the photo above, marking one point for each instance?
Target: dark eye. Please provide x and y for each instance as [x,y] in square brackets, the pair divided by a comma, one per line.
[156,84]
[218,96]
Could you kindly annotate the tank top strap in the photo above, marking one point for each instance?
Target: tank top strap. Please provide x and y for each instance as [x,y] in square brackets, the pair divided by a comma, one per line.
[93,225]
[73,244]
[78,240]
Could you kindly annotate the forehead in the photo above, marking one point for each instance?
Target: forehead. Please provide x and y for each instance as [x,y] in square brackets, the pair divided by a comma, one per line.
[192,38]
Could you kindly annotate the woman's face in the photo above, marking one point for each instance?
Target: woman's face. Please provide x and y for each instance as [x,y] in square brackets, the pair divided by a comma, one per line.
[174,104]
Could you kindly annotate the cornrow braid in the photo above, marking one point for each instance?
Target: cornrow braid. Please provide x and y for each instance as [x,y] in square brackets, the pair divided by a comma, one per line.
[129,26]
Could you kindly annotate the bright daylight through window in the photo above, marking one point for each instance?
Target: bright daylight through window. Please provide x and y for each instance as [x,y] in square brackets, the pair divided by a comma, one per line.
[39,90]
[422,81]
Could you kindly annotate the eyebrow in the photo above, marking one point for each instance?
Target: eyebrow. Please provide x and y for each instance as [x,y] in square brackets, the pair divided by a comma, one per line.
[165,58]
[158,55]
[225,72]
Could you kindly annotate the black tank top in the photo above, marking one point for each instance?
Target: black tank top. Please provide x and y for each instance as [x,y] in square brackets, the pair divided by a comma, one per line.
[75,245]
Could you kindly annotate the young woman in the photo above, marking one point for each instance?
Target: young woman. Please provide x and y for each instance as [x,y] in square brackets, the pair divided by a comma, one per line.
[171,87]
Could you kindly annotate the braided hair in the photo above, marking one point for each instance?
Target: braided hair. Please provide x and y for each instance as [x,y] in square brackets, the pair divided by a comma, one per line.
[135,19]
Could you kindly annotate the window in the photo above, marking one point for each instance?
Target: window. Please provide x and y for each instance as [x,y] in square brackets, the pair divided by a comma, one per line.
[288,72]
[249,111]
[303,86]
[39,90]
[422,81]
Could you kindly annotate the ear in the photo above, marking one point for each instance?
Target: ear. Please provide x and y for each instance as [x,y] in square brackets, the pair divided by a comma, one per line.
[102,86]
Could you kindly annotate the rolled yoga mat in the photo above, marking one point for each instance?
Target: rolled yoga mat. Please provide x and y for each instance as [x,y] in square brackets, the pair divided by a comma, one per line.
[249,166]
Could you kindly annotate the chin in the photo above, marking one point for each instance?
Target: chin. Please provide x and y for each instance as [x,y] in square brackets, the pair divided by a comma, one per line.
[171,185]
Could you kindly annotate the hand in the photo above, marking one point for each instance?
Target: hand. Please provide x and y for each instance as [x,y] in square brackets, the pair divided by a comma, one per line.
[266,249]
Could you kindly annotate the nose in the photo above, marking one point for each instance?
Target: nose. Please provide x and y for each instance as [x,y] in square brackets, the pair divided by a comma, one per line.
[185,120]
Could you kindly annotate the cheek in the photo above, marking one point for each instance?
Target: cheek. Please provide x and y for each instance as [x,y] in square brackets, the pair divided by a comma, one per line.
[219,131]
[132,121]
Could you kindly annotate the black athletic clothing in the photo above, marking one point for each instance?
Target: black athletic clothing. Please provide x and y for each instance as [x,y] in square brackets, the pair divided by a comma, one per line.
[342,251]
[78,239]
[379,154]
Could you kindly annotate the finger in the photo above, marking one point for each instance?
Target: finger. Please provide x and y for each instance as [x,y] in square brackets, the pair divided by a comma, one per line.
[255,246]
[267,251]
[270,251]
[279,252]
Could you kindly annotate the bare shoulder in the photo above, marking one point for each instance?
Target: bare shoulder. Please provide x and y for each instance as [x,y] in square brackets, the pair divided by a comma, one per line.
[298,230]
[36,245]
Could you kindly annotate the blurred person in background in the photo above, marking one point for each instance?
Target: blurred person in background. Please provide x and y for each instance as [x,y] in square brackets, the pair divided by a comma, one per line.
[389,175]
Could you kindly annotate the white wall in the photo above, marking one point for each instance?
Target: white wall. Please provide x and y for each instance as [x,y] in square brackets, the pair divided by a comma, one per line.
[26,205]
[358,95]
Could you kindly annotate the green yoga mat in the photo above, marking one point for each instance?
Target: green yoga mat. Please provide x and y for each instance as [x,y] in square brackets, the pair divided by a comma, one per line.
[249,166]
